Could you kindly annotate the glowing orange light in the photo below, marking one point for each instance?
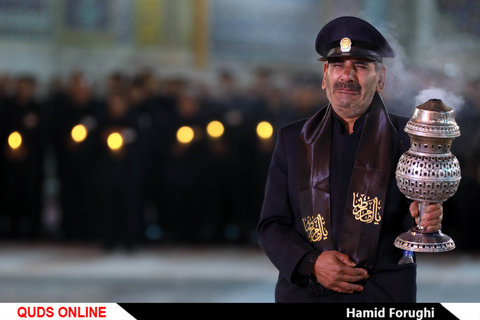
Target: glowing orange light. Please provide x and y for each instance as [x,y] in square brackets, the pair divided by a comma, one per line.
[15,140]
[264,130]
[79,133]
[215,129]
[185,134]
[115,141]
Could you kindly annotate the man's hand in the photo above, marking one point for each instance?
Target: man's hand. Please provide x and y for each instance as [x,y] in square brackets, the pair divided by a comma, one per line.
[337,272]
[431,219]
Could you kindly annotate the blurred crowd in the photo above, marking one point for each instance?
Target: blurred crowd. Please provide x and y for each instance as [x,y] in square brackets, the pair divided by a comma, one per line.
[125,172]
[141,161]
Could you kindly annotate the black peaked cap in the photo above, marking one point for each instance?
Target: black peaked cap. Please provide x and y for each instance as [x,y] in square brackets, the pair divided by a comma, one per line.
[363,40]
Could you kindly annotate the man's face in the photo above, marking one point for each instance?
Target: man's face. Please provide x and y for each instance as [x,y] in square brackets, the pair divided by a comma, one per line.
[350,84]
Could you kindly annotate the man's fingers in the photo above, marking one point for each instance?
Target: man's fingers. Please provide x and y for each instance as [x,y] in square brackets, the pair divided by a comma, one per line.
[345,259]
[428,217]
[432,220]
[431,225]
[434,207]
[414,209]
[358,273]
[432,215]
[345,287]
[350,279]
[336,271]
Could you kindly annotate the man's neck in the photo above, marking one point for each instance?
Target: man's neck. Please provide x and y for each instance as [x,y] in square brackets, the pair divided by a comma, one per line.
[348,123]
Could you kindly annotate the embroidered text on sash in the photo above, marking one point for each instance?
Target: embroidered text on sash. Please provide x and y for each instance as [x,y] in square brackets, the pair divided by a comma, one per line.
[315,228]
[366,209]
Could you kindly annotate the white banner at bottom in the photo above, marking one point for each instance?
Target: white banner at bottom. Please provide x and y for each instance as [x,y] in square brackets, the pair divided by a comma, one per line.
[63,311]
[464,311]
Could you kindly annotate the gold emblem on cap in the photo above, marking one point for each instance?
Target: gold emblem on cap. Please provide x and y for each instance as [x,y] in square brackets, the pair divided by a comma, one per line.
[345,44]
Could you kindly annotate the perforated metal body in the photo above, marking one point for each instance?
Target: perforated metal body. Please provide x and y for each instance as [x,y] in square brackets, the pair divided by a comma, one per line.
[428,172]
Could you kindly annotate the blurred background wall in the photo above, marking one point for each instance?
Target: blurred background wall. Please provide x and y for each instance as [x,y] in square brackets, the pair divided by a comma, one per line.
[144,69]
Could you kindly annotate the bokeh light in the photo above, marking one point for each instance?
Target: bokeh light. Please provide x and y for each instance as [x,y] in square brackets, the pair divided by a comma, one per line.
[215,129]
[185,134]
[115,141]
[264,130]
[15,140]
[79,133]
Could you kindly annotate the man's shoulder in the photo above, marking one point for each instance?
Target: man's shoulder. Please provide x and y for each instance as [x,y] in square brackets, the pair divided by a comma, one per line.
[293,127]
[291,131]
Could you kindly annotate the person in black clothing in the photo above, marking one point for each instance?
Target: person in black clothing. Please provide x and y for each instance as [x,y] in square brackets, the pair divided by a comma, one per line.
[154,114]
[22,170]
[191,173]
[332,208]
[120,174]
[236,110]
[76,160]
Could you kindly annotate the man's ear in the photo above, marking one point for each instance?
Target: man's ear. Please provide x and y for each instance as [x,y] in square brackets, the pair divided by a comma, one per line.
[325,66]
[382,72]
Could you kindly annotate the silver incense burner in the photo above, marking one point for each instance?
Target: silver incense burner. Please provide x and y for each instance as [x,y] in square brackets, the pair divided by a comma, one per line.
[428,172]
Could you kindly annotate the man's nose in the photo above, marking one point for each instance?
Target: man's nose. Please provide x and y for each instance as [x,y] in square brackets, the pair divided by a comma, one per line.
[348,71]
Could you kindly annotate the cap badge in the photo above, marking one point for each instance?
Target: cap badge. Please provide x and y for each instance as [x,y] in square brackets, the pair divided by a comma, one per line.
[345,44]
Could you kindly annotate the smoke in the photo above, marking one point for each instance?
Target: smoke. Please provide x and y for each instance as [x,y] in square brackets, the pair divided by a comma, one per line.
[401,83]
[404,80]
[454,101]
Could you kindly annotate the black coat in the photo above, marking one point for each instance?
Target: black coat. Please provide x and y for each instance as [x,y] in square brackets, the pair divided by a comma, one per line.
[282,235]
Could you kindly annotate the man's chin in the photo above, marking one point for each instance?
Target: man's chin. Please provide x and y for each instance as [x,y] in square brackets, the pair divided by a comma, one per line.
[348,110]
[344,98]
[346,105]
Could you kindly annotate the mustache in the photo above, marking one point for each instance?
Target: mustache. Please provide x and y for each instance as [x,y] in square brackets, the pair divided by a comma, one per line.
[350,85]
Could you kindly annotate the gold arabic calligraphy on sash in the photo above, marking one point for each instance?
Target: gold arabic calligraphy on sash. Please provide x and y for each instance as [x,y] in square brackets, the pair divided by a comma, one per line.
[315,228]
[366,209]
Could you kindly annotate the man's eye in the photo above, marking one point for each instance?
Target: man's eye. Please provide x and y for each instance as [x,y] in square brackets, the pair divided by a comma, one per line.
[361,66]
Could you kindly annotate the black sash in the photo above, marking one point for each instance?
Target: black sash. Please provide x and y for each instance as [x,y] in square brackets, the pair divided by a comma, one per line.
[362,218]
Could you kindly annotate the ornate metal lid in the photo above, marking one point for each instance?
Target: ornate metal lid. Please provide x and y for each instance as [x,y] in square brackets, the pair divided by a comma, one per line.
[433,119]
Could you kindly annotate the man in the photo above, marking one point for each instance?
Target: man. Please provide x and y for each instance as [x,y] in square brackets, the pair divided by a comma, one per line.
[332,208]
